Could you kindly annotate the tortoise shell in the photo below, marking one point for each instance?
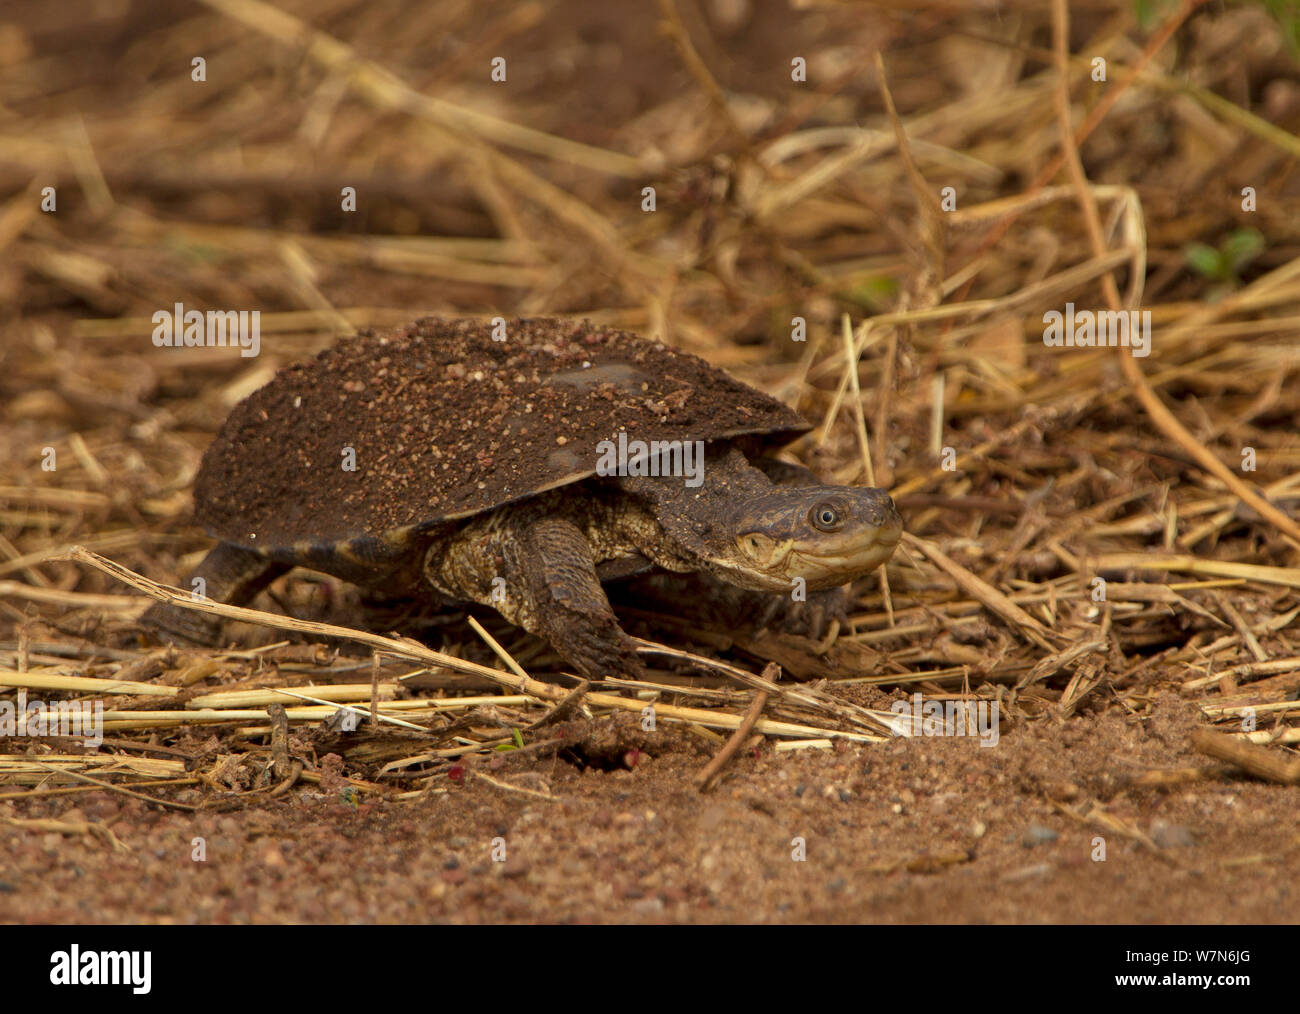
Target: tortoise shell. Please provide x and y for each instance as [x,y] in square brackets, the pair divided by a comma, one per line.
[441,422]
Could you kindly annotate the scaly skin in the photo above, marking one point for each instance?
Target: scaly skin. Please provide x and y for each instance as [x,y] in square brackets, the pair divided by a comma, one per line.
[230,574]
[538,562]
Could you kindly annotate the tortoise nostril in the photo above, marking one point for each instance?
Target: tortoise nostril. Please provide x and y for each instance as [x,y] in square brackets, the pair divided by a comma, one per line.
[885,512]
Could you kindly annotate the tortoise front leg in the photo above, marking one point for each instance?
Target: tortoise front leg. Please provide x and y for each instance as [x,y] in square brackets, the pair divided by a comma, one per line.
[562,600]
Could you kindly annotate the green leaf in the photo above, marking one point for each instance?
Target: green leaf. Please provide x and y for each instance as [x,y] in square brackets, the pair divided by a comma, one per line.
[1242,247]
[1287,15]
[1205,260]
[873,293]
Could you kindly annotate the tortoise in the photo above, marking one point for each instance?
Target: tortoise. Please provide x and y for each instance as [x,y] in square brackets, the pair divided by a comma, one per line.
[518,464]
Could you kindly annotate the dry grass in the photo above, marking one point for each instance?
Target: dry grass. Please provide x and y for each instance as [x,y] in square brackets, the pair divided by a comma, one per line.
[1025,474]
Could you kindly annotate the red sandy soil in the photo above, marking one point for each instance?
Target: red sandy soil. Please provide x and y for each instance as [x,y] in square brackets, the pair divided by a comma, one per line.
[919,830]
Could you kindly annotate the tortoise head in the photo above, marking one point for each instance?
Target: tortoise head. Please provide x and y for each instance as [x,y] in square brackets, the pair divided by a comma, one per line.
[827,535]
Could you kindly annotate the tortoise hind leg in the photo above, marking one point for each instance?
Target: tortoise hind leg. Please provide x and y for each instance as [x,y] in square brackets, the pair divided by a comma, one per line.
[231,574]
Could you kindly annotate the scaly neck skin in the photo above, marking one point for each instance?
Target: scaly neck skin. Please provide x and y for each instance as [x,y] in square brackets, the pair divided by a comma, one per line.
[749,532]
[694,523]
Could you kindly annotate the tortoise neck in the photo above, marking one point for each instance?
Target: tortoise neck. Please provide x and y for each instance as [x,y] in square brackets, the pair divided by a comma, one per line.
[693,518]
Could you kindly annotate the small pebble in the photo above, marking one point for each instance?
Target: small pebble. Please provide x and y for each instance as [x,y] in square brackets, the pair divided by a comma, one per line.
[1026,872]
[1172,836]
[648,906]
[1036,834]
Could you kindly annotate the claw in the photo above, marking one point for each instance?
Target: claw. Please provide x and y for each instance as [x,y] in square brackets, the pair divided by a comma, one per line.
[828,641]
[770,610]
[816,620]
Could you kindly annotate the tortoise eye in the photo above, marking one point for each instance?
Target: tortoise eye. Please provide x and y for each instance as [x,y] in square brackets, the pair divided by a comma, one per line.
[826,517]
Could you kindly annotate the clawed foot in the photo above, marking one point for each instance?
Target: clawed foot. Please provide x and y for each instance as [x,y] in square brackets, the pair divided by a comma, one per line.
[176,625]
[597,647]
[820,617]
